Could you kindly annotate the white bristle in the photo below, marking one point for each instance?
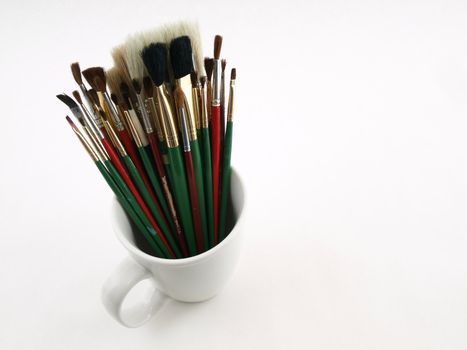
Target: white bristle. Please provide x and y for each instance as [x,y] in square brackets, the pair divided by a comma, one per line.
[132,56]
[113,78]
[120,64]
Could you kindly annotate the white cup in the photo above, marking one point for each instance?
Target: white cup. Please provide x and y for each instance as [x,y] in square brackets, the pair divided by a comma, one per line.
[192,279]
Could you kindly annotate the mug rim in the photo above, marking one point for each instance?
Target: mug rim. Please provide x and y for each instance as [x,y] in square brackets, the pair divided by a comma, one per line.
[182,261]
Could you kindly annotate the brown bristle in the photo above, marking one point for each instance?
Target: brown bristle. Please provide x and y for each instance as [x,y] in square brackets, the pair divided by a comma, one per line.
[208,66]
[179,97]
[77,97]
[148,87]
[202,80]
[194,79]
[125,92]
[223,64]
[102,114]
[93,95]
[217,46]
[76,71]
[233,74]
[99,84]
[91,73]
[136,86]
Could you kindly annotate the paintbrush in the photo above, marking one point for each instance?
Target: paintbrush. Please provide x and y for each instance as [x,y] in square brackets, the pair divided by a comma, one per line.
[208,66]
[143,191]
[190,170]
[157,154]
[206,161]
[216,132]
[123,194]
[225,182]
[84,121]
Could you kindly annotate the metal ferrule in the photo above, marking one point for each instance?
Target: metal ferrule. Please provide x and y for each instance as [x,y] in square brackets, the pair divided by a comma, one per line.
[132,128]
[184,129]
[151,102]
[230,109]
[113,112]
[95,118]
[114,138]
[144,114]
[216,83]
[166,117]
[195,96]
[91,122]
[204,109]
[86,145]
[185,84]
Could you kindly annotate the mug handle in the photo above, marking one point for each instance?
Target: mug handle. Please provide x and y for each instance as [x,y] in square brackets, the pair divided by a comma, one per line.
[114,291]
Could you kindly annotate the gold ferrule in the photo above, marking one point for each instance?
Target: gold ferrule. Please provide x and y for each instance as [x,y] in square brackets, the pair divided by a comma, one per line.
[196,111]
[166,118]
[86,145]
[155,117]
[96,143]
[208,99]
[203,108]
[114,138]
[230,108]
[185,84]
[121,112]
[132,128]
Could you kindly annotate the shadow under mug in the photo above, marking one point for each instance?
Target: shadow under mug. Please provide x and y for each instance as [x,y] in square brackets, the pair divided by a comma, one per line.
[192,279]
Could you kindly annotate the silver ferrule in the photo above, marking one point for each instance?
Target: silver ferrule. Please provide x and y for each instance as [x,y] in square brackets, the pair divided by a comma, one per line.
[144,114]
[185,137]
[97,121]
[216,83]
[116,118]
[91,122]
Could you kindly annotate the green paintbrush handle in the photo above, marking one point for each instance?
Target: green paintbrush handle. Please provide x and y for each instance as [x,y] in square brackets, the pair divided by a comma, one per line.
[225,181]
[156,185]
[137,216]
[198,166]
[182,199]
[206,153]
[138,181]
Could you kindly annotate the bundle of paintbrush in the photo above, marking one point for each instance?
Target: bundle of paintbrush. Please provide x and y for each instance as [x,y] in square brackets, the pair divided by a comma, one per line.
[159,136]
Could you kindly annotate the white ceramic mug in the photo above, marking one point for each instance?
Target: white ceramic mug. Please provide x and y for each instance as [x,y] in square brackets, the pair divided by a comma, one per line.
[193,279]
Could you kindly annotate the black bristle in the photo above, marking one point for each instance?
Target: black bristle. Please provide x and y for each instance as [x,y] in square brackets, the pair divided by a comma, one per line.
[125,91]
[181,56]
[155,59]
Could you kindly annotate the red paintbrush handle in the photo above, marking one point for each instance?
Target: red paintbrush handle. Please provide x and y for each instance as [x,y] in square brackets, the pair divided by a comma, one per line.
[115,159]
[157,154]
[133,154]
[216,160]
[190,173]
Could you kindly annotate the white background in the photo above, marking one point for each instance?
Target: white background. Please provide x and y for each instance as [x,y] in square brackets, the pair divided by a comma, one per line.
[351,136]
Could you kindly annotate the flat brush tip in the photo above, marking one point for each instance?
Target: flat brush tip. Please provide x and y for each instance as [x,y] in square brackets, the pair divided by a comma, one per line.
[99,84]
[136,86]
[194,79]
[76,71]
[179,97]
[148,86]
[77,97]
[223,64]
[217,46]
[208,66]
[233,74]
